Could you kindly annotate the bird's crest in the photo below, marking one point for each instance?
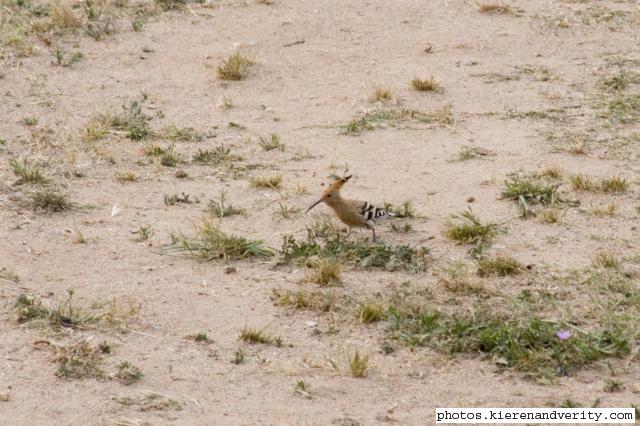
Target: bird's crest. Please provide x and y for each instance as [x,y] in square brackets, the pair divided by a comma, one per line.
[337,184]
[331,195]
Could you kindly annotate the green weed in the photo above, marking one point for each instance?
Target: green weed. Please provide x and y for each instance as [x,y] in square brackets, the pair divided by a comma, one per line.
[212,243]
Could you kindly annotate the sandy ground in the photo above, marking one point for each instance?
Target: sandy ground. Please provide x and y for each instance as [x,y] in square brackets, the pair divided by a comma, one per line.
[306,93]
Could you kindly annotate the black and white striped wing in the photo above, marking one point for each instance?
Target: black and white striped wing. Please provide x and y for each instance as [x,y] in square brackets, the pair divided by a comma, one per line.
[372,213]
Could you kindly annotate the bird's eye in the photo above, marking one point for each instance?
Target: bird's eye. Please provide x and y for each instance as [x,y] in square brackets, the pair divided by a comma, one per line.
[329,196]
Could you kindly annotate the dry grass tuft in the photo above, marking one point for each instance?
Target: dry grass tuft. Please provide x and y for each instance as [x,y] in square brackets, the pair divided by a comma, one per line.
[125,177]
[613,185]
[581,182]
[370,312]
[253,336]
[302,299]
[359,365]
[271,142]
[97,128]
[616,185]
[381,94]
[326,272]
[63,16]
[50,201]
[235,67]
[604,260]
[605,210]
[494,8]
[429,85]
[78,361]
[501,266]
[550,215]
[128,373]
[552,172]
[272,182]
[27,173]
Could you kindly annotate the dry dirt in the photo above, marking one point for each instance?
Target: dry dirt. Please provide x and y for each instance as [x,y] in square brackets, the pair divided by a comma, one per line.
[543,55]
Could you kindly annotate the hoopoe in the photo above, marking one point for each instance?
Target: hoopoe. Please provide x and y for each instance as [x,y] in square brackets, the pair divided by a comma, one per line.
[353,213]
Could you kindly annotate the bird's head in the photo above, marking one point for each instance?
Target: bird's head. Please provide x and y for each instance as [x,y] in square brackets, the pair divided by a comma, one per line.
[332,192]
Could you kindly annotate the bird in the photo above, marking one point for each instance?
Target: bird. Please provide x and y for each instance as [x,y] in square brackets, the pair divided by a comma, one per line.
[353,213]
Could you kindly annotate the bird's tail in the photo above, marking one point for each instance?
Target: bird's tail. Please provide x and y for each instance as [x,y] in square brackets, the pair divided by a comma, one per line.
[380,213]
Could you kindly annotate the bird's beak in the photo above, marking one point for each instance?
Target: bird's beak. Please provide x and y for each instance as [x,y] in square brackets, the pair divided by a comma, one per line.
[314,204]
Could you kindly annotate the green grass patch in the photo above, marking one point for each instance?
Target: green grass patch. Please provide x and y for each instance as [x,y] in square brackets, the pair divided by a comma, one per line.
[221,208]
[216,156]
[404,228]
[170,200]
[78,361]
[623,109]
[27,173]
[619,81]
[50,201]
[392,117]
[211,243]
[534,346]
[66,61]
[133,121]
[405,209]
[182,134]
[30,121]
[68,313]
[254,335]
[365,254]
[128,373]
[171,4]
[552,114]
[530,190]
[200,337]
[467,228]
[168,156]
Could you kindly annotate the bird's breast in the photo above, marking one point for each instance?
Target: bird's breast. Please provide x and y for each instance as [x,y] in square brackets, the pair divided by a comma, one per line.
[349,216]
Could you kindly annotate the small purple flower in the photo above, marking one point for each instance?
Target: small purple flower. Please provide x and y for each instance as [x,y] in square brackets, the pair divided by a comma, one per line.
[563,334]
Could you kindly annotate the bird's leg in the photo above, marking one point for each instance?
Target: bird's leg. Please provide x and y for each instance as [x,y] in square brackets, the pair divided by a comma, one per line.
[374,233]
[348,232]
